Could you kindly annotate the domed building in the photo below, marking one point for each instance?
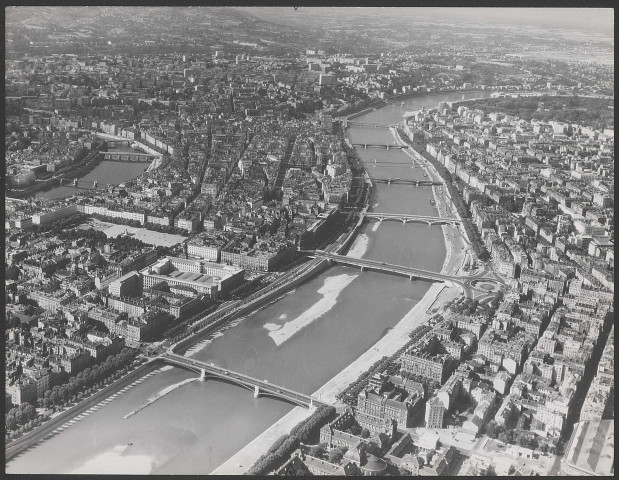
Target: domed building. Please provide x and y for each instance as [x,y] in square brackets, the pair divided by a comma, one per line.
[374,466]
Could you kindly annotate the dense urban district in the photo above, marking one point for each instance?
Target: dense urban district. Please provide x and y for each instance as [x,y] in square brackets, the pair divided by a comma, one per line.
[247,171]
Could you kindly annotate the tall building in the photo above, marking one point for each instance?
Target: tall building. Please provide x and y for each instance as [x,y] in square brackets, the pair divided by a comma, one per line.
[425,360]
[434,413]
[381,403]
[128,285]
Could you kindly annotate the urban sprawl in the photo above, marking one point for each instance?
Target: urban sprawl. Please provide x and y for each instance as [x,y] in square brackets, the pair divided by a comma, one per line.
[247,169]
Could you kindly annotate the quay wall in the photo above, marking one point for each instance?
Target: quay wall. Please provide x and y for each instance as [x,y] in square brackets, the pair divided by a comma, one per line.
[258,302]
[89,162]
[34,436]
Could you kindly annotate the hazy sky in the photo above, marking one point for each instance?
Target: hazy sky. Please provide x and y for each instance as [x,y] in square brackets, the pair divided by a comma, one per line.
[599,20]
[596,19]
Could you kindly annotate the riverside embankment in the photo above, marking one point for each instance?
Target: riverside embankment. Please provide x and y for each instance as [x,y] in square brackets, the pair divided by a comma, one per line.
[432,302]
[198,427]
[39,434]
[298,276]
[80,168]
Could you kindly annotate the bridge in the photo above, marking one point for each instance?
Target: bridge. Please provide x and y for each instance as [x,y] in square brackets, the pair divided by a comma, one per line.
[362,124]
[402,181]
[470,285]
[398,164]
[260,388]
[82,184]
[372,145]
[404,218]
[129,157]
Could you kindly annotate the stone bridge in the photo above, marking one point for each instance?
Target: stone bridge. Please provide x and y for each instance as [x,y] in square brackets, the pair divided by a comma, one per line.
[116,156]
[404,218]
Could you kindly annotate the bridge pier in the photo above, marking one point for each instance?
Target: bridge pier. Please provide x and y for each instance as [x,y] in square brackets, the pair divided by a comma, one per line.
[202,374]
[256,391]
[404,221]
[363,269]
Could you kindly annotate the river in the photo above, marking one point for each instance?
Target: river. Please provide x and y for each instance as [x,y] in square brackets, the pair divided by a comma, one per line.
[107,172]
[299,341]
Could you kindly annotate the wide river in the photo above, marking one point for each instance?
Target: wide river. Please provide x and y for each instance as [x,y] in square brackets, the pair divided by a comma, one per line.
[299,341]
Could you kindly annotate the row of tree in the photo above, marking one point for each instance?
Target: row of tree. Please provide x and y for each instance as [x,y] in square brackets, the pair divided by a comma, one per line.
[90,235]
[61,225]
[20,416]
[351,392]
[117,220]
[461,207]
[305,428]
[114,366]
[23,418]
[285,445]
[165,228]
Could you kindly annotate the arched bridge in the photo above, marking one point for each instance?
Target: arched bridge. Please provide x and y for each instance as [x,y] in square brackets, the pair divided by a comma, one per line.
[258,387]
[470,285]
[404,218]
[75,183]
[117,156]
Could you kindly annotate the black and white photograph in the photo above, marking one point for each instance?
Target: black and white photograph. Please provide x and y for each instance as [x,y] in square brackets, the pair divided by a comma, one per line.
[309,240]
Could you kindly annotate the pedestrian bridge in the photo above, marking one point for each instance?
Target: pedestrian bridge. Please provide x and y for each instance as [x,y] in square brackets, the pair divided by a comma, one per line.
[404,218]
[260,388]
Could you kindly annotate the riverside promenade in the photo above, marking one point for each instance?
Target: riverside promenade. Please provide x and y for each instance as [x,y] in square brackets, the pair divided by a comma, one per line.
[39,434]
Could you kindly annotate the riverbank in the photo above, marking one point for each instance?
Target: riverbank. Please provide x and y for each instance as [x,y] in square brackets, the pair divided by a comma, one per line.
[430,304]
[402,96]
[48,428]
[456,243]
[354,111]
[296,277]
[242,460]
[88,164]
